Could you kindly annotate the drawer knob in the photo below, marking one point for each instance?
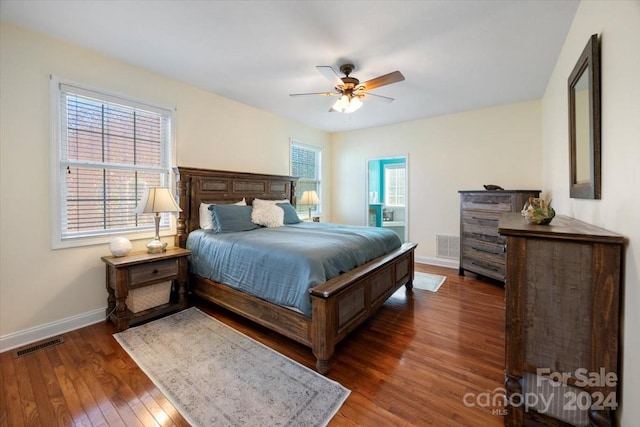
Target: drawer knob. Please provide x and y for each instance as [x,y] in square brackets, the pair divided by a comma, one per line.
[155,271]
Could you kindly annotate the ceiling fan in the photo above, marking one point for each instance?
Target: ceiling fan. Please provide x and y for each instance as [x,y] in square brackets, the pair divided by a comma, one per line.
[350,90]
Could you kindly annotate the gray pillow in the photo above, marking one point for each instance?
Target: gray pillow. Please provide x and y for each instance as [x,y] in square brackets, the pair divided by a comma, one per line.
[232,218]
[290,214]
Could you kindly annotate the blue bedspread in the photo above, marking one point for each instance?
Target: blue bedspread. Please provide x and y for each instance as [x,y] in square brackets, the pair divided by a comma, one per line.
[281,264]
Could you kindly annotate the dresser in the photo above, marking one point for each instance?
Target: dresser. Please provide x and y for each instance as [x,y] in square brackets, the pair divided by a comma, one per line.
[482,249]
[562,299]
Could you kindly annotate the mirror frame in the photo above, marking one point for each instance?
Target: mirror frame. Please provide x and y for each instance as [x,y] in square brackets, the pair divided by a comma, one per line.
[589,62]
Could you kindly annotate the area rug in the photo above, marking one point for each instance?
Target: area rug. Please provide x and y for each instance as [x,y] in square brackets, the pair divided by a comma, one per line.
[216,376]
[428,282]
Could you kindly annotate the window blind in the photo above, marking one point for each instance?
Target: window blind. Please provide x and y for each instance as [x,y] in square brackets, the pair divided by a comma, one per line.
[306,165]
[111,151]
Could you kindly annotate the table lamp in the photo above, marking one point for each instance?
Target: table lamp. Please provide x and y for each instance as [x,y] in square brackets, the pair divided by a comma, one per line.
[309,198]
[157,199]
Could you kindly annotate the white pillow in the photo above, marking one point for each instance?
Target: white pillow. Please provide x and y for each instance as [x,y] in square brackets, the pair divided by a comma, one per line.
[269,215]
[206,221]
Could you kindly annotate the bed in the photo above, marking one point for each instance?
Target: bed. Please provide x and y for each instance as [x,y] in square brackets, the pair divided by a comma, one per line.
[337,305]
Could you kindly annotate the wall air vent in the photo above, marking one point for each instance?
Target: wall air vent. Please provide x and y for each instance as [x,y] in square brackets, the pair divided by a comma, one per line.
[447,246]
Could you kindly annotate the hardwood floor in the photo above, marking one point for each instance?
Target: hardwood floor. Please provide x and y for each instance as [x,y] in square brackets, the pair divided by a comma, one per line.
[424,359]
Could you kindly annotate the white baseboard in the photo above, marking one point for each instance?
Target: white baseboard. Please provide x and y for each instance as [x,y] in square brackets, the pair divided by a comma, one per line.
[28,336]
[440,262]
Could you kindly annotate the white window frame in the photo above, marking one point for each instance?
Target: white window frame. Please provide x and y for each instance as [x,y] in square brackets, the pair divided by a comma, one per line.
[387,193]
[58,167]
[293,142]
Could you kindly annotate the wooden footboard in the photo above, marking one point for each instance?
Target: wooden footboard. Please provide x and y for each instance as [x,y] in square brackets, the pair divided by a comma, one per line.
[343,303]
[338,305]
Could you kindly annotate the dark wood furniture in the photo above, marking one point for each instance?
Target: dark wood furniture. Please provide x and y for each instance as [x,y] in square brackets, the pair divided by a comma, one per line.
[142,269]
[338,305]
[562,320]
[482,249]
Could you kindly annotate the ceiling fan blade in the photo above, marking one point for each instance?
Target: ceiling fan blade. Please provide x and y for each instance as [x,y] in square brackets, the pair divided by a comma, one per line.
[330,74]
[387,79]
[379,98]
[315,93]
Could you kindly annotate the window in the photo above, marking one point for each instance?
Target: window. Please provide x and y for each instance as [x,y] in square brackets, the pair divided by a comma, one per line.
[306,165]
[394,185]
[108,151]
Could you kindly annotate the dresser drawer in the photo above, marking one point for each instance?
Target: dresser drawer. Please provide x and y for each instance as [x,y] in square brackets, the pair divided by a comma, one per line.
[481,225]
[487,202]
[481,257]
[480,248]
[491,253]
[483,268]
[144,273]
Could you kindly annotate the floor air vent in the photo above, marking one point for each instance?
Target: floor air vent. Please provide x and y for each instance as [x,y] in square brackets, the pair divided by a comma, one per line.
[38,346]
[447,246]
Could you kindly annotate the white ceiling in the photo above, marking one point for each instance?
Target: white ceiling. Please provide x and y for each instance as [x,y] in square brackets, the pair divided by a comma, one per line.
[455,55]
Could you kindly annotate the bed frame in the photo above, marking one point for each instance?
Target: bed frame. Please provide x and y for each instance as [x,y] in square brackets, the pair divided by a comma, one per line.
[339,305]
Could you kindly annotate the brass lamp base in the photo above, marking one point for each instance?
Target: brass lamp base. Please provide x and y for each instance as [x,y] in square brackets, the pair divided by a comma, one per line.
[156,246]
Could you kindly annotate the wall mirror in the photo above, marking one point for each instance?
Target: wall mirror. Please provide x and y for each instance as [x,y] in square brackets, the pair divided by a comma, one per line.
[584,123]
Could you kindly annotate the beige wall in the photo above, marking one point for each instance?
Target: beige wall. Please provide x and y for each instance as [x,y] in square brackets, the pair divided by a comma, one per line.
[618,24]
[42,288]
[501,145]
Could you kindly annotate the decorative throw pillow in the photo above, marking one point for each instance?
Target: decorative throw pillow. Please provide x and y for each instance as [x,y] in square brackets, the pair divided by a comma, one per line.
[268,215]
[290,214]
[262,202]
[232,218]
[206,219]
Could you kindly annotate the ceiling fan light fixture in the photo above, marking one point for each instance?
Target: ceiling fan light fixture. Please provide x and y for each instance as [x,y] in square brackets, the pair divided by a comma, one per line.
[354,104]
[347,104]
[344,102]
[338,106]
[350,90]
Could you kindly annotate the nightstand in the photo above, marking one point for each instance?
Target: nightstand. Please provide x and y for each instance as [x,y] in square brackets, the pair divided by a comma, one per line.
[139,270]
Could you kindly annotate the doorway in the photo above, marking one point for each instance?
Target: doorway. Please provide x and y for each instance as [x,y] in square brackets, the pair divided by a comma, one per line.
[387,203]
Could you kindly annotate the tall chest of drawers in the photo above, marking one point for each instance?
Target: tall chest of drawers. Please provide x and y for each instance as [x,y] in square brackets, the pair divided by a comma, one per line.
[482,248]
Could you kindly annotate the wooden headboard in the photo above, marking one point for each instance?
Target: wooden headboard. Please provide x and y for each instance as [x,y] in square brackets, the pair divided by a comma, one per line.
[195,186]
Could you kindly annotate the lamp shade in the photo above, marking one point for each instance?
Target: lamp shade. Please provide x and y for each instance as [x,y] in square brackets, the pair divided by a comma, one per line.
[157,199]
[309,198]
[354,104]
